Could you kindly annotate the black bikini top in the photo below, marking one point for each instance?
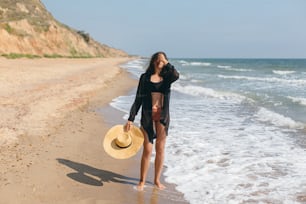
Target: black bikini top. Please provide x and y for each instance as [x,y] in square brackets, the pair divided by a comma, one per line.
[156,86]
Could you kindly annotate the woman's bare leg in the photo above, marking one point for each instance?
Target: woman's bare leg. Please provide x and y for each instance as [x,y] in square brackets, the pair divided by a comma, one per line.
[160,153]
[145,161]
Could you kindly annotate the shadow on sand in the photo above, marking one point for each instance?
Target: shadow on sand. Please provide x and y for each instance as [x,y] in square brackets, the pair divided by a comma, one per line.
[93,176]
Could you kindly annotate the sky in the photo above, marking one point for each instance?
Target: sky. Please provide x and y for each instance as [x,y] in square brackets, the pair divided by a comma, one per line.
[193,28]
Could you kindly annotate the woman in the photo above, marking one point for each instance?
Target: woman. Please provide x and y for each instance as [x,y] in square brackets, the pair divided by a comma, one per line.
[153,94]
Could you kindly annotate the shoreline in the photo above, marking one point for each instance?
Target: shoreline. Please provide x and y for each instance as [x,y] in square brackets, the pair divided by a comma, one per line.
[168,196]
[68,164]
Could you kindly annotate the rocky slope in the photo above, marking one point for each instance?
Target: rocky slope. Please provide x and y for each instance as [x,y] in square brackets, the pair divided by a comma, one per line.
[27,28]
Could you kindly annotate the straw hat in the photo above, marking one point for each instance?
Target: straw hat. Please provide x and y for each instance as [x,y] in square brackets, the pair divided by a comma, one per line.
[122,145]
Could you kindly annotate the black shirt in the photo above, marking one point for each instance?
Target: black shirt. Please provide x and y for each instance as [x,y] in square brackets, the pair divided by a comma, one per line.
[144,99]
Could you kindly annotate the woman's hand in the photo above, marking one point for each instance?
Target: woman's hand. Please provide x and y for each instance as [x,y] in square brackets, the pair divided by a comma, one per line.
[128,126]
[163,59]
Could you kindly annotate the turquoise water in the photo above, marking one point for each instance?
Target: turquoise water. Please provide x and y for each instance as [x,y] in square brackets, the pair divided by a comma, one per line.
[237,131]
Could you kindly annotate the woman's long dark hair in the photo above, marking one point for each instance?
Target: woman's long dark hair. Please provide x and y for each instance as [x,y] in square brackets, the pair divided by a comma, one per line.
[151,68]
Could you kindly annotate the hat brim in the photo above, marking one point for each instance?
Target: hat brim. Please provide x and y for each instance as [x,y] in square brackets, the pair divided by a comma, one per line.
[116,152]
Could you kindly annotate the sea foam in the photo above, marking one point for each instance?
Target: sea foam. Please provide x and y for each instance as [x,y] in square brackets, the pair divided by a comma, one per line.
[205,64]
[283,72]
[230,68]
[266,115]
[206,92]
[291,82]
[299,100]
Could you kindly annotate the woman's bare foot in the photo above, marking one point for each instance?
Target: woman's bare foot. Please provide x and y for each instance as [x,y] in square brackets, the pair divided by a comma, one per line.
[140,186]
[160,186]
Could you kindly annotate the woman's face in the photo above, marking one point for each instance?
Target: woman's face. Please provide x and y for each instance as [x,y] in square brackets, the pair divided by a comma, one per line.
[160,61]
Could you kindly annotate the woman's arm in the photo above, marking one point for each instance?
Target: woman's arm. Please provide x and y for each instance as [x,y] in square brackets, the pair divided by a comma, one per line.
[138,99]
[170,73]
[136,105]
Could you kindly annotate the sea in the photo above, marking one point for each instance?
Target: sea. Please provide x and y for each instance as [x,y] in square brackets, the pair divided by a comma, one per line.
[238,129]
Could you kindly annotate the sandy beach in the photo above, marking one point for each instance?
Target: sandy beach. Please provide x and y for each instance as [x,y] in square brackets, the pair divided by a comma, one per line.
[51,134]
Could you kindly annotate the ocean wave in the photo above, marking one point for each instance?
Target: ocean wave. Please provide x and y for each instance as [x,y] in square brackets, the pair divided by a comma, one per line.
[224,66]
[259,158]
[136,67]
[301,101]
[206,92]
[132,66]
[271,79]
[138,63]
[185,63]
[265,115]
[183,77]
[230,68]
[283,72]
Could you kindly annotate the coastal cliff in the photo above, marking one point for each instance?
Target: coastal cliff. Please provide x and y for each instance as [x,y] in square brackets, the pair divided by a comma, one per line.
[27,28]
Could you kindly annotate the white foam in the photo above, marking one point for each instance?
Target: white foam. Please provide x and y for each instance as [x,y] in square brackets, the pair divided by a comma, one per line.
[138,63]
[267,79]
[301,101]
[224,66]
[205,64]
[183,77]
[206,92]
[136,67]
[266,115]
[229,68]
[183,62]
[121,103]
[283,72]
[218,158]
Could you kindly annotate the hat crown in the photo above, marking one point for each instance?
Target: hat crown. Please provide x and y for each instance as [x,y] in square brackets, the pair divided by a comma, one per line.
[121,144]
[123,140]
